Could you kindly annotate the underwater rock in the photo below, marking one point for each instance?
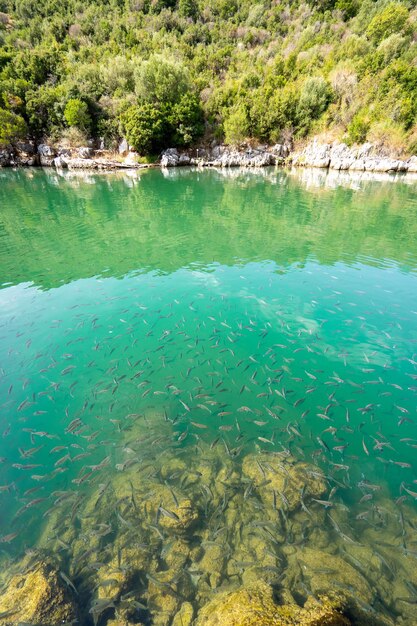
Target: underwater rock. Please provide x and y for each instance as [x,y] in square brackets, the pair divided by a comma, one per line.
[185,615]
[288,479]
[163,598]
[39,596]
[248,606]
[179,519]
[112,582]
[212,563]
[255,606]
[326,572]
[172,466]
[176,555]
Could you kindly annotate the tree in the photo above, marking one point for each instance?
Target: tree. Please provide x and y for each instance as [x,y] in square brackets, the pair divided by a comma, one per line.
[358,129]
[236,125]
[390,20]
[76,114]
[187,120]
[188,8]
[314,99]
[161,80]
[12,127]
[45,108]
[145,127]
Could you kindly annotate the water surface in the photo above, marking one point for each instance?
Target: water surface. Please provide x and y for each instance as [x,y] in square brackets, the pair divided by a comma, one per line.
[211,371]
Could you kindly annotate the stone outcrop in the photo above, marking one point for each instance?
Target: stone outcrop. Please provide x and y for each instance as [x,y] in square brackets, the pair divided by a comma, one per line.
[63,161]
[226,156]
[255,606]
[339,156]
[46,154]
[23,154]
[39,596]
[335,156]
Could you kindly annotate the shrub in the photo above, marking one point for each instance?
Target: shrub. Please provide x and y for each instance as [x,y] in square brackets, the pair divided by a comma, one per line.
[314,98]
[187,120]
[12,127]
[145,127]
[236,125]
[161,80]
[349,8]
[76,114]
[358,129]
[387,136]
[390,20]
[271,114]
[45,109]
[187,8]
[392,47]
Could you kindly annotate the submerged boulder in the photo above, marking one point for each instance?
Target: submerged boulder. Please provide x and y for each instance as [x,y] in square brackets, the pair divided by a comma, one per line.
[255,606]
[39,596]
[290,480]
[184,617]
[179,519]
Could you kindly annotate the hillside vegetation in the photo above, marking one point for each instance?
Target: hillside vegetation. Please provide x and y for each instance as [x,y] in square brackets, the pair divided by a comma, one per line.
[166,72]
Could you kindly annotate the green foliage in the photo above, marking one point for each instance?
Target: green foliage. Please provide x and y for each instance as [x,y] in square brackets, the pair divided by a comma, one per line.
[145,127]
[261,70]
[187,120]
[273,112]
[358,129]
[45,109]
[315,96]
[76,114]
[188,8]
[236,126]
[12,127]
[161,80]
[349,8]
[390,20]
[150,127]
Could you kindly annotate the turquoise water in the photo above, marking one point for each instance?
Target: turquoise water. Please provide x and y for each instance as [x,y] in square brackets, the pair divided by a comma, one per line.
[239,345]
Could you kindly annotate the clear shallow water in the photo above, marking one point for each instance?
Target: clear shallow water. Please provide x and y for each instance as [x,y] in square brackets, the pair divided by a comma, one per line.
[239,345]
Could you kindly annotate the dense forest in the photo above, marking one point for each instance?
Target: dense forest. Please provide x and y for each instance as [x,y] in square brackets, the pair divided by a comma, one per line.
[168,72]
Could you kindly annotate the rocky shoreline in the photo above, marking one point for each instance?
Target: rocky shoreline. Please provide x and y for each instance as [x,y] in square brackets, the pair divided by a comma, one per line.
[335,156]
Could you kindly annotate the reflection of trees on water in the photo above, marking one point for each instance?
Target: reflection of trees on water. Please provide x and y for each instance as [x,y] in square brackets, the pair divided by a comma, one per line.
[58,227]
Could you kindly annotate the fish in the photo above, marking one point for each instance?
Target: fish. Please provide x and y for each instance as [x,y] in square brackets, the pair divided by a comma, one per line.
[68,582]
[168,513]
[98,607]
[9,538]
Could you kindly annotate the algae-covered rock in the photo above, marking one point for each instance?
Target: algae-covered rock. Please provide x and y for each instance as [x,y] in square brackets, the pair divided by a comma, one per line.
[313,613]
[184,617]
[255,606]
[283,479]
[248,606]
[39,596]
[179,519]
[112,582]
[176,554]
[212,563]
[163,598]
[328,572]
